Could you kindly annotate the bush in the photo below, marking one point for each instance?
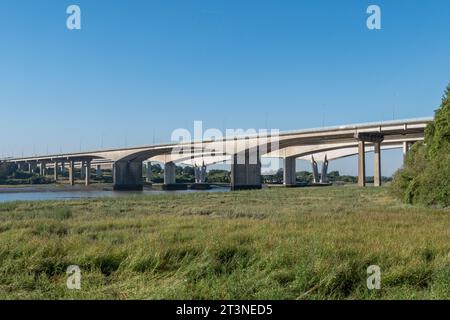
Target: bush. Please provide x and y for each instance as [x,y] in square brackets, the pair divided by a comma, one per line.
[6,170]
[425,176]
[39,180]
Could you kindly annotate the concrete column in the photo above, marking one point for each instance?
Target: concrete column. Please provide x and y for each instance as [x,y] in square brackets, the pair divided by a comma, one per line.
[82,170]
[127,175]
[246,171]
[87,173]
[148,174]
[98,171]
[55,172]
[361,164]
[42,169]
[169,173]
[33,167]
[289,172]
[71,172]
[30,168]
[377,164]
[63,168]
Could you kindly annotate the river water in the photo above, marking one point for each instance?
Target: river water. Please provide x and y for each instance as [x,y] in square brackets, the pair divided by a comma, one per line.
[21,194]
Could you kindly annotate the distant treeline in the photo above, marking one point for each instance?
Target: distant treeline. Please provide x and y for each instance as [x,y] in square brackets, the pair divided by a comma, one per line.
[307,177]
[11,174]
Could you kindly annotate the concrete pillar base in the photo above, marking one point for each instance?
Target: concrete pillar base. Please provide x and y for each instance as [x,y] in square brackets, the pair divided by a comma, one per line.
[87,173]
[55,172]
[361,164]
[98,172]
[169,173]
[289,172]
[71,173]
[244,173]
[127,175]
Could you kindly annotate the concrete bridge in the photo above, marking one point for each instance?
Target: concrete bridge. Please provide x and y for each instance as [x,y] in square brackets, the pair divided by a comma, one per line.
[243,152]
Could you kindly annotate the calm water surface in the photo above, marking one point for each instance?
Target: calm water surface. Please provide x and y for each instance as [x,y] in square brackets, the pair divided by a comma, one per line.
[18,194]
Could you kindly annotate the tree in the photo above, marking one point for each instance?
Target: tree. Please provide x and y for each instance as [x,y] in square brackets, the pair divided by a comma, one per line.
[218,176]
[425,176]
[156,168]
[6,169]
[437,134]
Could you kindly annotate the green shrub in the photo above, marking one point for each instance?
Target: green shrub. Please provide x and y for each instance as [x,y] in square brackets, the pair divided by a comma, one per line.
[425,176]
[39,180]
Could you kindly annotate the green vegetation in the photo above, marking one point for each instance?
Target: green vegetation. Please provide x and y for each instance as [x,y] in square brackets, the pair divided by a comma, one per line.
[218,176]
[307,177]
[425,176]
[301,243]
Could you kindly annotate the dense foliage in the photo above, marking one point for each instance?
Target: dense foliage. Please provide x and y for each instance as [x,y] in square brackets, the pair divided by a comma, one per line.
[425,176]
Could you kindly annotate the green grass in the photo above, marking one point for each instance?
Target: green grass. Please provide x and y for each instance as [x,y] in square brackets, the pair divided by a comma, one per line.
[304,243]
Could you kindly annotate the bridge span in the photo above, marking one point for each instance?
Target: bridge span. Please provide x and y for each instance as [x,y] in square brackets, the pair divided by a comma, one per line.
[244,153]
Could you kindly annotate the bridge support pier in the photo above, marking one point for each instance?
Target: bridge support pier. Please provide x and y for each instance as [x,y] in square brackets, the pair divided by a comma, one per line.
[127,175]
[376,138]
[71,172]
[33,167]
[377,164]
[87,173]
[246,172]
[42,169]
[148,172]
[55,172]
[361,164]
[82,172]
[289,172]
[98,171]
[169,173]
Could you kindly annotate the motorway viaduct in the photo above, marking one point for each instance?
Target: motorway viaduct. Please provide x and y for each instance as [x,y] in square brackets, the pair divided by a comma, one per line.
[243,152]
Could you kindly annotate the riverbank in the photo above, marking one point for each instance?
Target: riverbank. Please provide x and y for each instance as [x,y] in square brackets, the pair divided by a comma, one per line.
[53,188]
[66,192]
[306,243]
[61,187]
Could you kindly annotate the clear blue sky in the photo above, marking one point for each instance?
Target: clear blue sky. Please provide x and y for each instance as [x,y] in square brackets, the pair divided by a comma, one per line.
[137,70]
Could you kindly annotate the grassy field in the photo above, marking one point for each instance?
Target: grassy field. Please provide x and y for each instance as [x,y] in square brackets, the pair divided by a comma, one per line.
[304,243]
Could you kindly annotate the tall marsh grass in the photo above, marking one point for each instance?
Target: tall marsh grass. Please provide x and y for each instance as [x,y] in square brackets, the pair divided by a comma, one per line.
[306,243]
